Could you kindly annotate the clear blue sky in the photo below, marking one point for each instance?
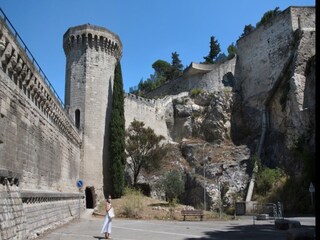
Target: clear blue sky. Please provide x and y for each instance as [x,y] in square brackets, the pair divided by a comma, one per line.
[149,29]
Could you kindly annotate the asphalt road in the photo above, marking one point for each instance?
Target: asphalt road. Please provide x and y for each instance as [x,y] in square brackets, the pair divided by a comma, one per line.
[123,229]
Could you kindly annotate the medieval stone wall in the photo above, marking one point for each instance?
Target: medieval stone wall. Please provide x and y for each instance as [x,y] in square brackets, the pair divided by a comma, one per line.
[39,145]
[271,73]
[210,80]
[213,80]
[155,113]
[41,148]
[263,53]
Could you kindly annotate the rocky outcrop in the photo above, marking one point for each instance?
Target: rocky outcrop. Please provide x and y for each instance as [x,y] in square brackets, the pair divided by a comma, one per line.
[203,152]
[206,116]
[267,108]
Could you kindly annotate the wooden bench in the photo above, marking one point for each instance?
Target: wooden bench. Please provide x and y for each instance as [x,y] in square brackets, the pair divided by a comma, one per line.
[185,213]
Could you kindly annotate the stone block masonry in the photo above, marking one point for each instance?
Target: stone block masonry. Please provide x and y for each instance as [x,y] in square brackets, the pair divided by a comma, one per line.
[39,146]
[92,53]
[263,53]
[12,217]
[46,147]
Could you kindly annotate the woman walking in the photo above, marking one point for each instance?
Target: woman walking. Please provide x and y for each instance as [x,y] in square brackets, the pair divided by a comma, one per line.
[107,224]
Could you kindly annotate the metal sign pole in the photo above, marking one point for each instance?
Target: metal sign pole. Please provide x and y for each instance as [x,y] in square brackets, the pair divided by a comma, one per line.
[79,185]
[79,203]
[311,190]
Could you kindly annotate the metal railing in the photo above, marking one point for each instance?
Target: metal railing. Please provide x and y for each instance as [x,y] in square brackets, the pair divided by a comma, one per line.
[274,210]
[31,57]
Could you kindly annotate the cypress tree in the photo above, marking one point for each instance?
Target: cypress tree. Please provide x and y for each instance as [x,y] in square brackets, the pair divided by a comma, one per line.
[117,136]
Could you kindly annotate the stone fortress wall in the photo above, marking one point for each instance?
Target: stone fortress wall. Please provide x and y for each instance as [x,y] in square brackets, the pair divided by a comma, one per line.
[263,53]
[270,71]
[40,144]
[150,111]
[208,77]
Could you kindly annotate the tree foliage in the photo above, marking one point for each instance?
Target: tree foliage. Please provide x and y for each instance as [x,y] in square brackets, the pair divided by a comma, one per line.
[176,66]
[161,68]
[143,147]
[163,72]
[247,29]
[214,51]
[117,136]
[232,51]
[266,179]
[173,185]
[267,16]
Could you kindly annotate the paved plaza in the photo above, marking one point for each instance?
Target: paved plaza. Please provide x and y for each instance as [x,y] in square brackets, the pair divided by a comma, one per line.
[88,227]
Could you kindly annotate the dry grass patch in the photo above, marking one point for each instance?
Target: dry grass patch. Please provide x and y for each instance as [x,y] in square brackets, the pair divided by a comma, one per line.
[134,205]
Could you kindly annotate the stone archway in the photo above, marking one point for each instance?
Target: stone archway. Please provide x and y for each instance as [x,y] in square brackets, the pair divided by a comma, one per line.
[90,197]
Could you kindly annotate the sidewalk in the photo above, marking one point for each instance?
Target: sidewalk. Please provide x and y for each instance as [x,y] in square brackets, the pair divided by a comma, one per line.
[89,227]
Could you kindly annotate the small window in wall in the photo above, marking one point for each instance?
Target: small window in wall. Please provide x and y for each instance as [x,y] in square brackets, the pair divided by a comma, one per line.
[77,118]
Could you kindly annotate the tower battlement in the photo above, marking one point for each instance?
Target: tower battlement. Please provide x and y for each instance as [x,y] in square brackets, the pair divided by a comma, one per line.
[92,36]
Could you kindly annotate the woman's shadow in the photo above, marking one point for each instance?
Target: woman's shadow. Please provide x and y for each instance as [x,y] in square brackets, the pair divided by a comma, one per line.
[99,237]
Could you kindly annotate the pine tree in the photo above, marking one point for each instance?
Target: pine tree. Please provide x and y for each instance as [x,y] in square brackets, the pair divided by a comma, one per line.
[176,66]
[232,51]
[247,29]
[214,51]
[117,136]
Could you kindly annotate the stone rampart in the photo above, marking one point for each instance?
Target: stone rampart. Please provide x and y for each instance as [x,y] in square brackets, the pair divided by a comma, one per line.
[39,145]
[211,79]
[42,153]
[147,111]
[153,112]
[263,53]
[208,77]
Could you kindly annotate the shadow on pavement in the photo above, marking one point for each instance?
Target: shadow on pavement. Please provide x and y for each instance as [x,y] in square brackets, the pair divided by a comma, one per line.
[248,232]
[98,237]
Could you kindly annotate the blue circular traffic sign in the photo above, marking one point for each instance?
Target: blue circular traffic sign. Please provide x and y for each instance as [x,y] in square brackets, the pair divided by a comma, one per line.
[79,183]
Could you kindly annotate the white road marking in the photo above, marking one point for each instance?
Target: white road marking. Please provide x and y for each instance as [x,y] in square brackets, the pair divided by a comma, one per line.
[158,232]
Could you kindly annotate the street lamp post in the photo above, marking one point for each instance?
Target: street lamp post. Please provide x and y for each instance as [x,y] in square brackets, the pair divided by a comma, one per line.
[218,175]
[204,185]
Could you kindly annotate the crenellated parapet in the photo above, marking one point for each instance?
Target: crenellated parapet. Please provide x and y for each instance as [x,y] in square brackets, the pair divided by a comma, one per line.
[94,37]
[19,65]
[140,100]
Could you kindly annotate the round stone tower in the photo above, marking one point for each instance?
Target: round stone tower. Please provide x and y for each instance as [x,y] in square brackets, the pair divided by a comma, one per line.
[92,53]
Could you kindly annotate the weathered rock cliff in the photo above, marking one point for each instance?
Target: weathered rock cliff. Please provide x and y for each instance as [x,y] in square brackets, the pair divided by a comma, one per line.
[212,166]
[269,110]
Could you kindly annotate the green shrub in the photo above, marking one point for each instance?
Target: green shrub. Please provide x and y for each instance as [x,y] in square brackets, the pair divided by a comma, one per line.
[267,178]
[173,186]
[196,91]
[133,203]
